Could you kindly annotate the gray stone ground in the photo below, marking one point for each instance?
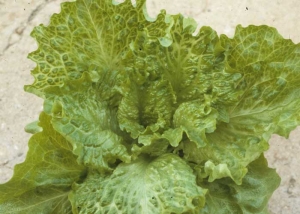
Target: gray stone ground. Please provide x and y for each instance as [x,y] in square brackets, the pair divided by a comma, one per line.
[17,108]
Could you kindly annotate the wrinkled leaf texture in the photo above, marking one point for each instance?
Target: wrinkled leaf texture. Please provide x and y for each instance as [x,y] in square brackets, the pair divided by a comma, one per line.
[142,116]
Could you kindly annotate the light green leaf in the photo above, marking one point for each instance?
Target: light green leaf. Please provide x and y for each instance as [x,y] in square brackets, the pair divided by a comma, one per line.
[196,119]
[156,147]
[226,197]
[42,183]
[87,123]
[33,128]
[270,68]
[213,171]
[192,65]
[146,106]
[156,144]
[269,102]
[148,185]
[88,36]
[227,153]
[163,81]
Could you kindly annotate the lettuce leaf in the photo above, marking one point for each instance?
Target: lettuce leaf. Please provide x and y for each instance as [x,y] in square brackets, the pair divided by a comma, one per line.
[91,127]
[270,82]
[148,185]
[88,36]
[42,183]
[224,196]
[193,65]
[268,102]
[227,154]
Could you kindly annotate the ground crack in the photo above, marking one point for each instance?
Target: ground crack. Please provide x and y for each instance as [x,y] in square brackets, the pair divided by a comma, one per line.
[20,29]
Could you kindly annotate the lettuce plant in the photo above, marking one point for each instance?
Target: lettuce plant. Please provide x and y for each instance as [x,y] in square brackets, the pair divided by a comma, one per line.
[142,116]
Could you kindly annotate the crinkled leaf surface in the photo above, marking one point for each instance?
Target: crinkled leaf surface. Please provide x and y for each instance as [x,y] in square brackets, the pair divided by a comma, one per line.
[192,65]
[89,124]
[188,73]
[196,119]
[146,106]
[126,94]
[270,66]
[226,197]
[148,185]
[42,183]
[88,36]
[227,146]
[269,101]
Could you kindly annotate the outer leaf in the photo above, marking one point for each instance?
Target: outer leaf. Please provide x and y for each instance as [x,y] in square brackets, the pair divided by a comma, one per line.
[162,185]
[89,124]
[42,183]
[225,197]
[270,66]
[88,35]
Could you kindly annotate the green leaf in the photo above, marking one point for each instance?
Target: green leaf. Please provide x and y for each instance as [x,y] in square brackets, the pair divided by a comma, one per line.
[196,119]
[227,153]
[269,102]
[146,105]
[270,83]
[88,36]
[42,183]
[226,197]
[148,185]
[192,65]
[33,127]
[88,123]
[156,146]
[163,81]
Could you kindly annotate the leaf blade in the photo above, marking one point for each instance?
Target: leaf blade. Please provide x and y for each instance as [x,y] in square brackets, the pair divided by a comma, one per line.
[90,126]
[252,196]
[42,183]
[139,190]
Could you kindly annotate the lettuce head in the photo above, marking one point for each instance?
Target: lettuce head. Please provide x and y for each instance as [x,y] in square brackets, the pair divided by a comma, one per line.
[146,116]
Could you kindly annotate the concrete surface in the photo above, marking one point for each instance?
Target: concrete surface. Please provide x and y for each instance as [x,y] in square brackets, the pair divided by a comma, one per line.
[17,108]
